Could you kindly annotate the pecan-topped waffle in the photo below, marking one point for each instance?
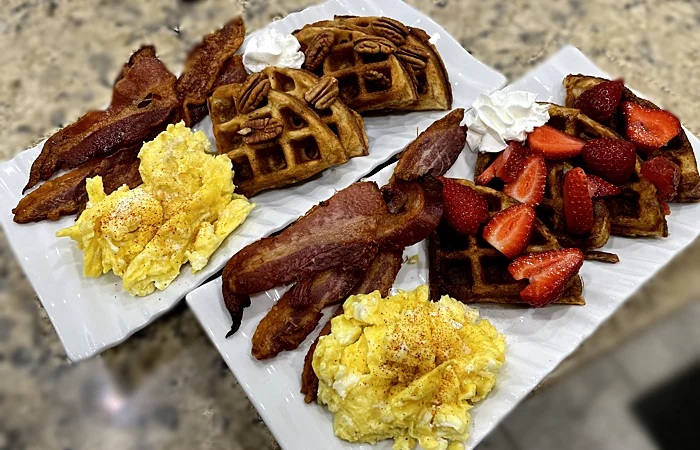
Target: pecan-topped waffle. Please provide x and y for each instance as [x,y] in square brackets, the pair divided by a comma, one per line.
[678,150]
[471,270]
[322,94]
[370,76]
[272,138]
[414,50]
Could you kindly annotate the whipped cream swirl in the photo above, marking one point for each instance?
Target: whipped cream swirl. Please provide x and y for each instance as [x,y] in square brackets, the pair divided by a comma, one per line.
[500,117]
[271,48]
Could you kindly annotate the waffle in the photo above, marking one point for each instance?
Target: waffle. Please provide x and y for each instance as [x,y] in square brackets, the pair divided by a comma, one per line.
[430,77]
[635,212]
[343,121]
[367,81]
[679,150]
[469,269]
[303,147]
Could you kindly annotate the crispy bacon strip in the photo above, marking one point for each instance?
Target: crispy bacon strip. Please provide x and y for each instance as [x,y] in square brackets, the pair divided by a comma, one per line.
[297,313]
[435,150]
[416,208]
[67,194]
[202,68]
[379,276]
[336,231]
[143,99]
[232,72]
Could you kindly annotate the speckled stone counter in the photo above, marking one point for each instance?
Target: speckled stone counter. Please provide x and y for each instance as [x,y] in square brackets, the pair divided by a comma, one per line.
[167,387]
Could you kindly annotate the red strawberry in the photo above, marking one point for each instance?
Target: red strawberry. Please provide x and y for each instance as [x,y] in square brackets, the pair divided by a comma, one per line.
[554,144]
[509,231]
[649,128]
[601,188]
[548,272]
[600,102]
[506,166]
[664,174]
[465,209]
[529,186]
[667,209]
[487,175]
[512,161]
[612,159]
[578,206]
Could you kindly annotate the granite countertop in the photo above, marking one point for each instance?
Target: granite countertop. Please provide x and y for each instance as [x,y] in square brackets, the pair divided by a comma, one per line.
[167,387]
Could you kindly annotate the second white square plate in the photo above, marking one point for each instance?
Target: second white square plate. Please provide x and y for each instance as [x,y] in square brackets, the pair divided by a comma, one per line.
[537,340]
[92,314]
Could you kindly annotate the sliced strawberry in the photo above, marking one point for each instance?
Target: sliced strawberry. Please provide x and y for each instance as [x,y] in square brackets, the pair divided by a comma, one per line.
[667,209]
[489,174]
[554,144]
[598,187]
[506,166]
[509,231]
[649,128]
[548,272]
[512,161]
[465,209]
[578,206]
[612,159]
[529,186]
[664,174]
[600,102]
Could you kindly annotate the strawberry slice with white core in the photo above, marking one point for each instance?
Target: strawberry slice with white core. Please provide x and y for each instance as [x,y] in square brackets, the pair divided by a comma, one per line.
[510,230]
[529,186]
[554,144]
[548,272]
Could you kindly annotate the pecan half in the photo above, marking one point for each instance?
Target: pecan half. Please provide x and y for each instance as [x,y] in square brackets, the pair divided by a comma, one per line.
[415,57]
[391,29]
[254,91]
[377,80]
[373,45]
[323,93]
[318,49]
[261,130]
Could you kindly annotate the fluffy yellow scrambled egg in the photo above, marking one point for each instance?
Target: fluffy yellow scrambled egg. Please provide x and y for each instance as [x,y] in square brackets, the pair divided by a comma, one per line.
[181,213]
[406,368]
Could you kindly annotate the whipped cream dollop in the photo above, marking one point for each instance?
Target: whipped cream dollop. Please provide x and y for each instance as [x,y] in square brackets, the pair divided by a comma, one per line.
[271,48]
[500,117]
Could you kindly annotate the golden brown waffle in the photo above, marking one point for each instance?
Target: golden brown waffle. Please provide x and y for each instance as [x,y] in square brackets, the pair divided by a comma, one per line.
[419,56]
[635,212]
[368,81]
[343,121]
[469,269]
[295,144]
[677,150]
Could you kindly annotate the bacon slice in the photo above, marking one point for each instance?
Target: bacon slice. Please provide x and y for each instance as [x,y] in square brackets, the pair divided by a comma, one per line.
[143,99]
[337,231]
[232,72]
[67,194]
[297,313]
[202,67]
[435,150]
[379,276]
[416,209]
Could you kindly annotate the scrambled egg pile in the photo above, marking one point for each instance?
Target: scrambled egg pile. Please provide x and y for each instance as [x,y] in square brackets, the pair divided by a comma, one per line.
[181,213]
[406,368]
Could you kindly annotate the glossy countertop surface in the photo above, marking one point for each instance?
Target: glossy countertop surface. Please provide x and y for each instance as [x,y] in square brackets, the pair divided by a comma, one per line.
[167,387]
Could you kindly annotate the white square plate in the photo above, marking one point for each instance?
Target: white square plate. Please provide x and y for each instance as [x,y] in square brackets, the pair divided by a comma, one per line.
[537,340]
[92,314]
